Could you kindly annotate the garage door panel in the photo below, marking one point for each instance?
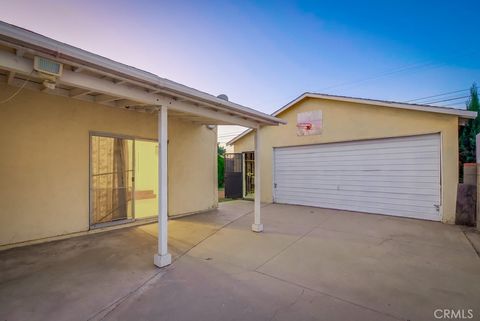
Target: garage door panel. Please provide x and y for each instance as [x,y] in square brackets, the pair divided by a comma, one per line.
[358,176]
[357,163]
[335,184]
[388,158]
[405,154]
[362,148]
[364,167]
[357,207]
[368,189]
[336,203]
[348,177]
[421,200]
[353,172]
[431,156]
[403,196]
[363,152]
[403,141]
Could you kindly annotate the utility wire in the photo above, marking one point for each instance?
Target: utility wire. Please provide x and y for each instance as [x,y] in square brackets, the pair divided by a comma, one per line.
[406,68]
[381,75]
[227,136]
[438,95]
[455,105]
[228,133]
[450,99]
[6,100]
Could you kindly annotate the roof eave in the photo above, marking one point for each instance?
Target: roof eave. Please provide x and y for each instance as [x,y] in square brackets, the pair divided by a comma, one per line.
[417,107]
[51,47]
[461,114]
[241,135]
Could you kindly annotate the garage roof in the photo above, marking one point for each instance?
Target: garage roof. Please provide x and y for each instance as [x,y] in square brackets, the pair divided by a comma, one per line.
[91,77]
[461,113]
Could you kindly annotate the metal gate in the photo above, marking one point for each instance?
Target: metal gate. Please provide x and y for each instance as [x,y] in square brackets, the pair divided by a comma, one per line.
[249,174]
[233,175]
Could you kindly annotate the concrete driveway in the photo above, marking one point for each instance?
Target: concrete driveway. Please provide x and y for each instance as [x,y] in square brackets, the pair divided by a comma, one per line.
[309,264]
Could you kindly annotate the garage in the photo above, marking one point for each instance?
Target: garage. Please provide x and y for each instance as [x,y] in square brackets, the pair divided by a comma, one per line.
[363,155]
[393,176]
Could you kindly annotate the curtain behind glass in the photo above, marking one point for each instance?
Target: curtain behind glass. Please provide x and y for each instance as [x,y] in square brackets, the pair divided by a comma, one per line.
[111,179]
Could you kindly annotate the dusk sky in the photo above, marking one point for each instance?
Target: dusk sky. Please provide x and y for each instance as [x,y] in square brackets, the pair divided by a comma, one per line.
[263,54]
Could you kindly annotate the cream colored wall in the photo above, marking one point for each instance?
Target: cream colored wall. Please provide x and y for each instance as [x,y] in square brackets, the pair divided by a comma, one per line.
[344,121]
[146,162]
[192,168]
[44,185]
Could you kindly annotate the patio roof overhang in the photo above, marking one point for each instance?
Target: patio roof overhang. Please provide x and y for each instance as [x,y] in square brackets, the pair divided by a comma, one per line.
[93,78]
[90,77]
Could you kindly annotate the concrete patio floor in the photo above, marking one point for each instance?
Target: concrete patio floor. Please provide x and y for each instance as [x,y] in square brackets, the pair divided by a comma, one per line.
[309,264]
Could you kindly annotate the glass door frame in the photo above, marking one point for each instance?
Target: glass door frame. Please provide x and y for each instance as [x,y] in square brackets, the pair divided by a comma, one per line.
[91,223]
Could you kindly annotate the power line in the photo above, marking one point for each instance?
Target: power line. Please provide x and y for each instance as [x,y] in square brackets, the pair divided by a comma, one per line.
[228,133]
[428,64]
[450,99]
[232,133]
[382,75]
[438,95]
[455,105]
[226,136]
[6,100]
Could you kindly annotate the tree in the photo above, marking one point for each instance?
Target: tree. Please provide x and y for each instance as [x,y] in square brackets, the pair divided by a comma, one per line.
[469,132]
[220,164]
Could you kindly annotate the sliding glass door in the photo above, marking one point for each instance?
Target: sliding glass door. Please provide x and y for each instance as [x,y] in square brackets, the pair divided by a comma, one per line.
[123,179]
[111,181]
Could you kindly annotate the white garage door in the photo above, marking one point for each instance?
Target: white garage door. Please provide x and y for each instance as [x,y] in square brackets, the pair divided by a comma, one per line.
[394,176]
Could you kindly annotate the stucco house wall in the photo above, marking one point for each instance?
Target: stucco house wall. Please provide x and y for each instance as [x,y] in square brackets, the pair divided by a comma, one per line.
[44,163]
[346,121]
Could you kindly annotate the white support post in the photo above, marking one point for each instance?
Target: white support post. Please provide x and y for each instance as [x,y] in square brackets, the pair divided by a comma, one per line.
[162,258]
[257,226]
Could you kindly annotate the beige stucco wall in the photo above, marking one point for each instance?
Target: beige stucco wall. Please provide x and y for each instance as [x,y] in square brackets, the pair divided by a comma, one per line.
[44,163]
[344,121]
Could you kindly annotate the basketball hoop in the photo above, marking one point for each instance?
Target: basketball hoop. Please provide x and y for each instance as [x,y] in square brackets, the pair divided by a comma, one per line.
[306,126]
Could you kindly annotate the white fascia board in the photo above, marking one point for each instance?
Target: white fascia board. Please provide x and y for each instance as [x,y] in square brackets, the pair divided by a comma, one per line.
[68,52]
[21,65]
